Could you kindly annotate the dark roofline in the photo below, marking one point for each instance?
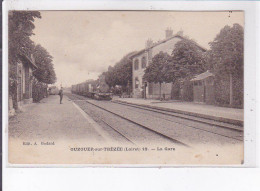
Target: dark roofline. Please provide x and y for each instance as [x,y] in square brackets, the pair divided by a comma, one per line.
[138,53]
[199,78]
[26,58]
[165,40]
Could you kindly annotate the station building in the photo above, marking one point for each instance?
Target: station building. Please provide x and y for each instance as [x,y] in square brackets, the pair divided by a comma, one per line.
[203,88]
[24,78]
[24,69]
[141,60]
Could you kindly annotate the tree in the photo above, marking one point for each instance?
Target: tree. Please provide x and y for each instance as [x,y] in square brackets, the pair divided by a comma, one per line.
[124,70]
[156,72]
[20,27]
[109,77]
[121,73]
[45,72]
[227,57]
[188,59]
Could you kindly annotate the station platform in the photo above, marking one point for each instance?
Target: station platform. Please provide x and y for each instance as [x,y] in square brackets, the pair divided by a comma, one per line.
[51,119]
[222,114]
[44,132]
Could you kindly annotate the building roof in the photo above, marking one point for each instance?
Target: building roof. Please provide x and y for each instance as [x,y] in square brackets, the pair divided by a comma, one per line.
[28,60]
[202,76]
[163,41]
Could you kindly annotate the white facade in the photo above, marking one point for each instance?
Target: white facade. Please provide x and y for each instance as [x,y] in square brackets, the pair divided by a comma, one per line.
[152,90]
[138,73]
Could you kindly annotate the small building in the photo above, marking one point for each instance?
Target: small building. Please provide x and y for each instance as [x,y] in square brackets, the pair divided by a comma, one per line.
[203,88]
[25,68]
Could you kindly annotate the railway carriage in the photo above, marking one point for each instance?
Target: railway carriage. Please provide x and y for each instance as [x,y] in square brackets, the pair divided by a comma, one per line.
[81,89]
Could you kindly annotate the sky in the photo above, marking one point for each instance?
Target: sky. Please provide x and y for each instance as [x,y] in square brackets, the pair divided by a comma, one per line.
[84,43]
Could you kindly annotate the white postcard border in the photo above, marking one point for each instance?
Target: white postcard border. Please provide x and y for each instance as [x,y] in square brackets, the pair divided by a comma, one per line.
[251,39]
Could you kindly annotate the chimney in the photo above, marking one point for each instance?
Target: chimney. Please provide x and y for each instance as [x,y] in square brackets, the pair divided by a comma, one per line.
[149,43]
[168,33]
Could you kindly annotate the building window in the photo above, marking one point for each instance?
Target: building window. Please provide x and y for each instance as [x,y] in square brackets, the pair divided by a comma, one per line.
[136,82]
[143,62]
[136,64]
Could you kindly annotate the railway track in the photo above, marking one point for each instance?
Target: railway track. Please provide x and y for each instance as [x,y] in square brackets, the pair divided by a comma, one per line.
[232,128]
[194,119]
[187,117]
[140,125]
[197,126]
[121,134]
[170,139]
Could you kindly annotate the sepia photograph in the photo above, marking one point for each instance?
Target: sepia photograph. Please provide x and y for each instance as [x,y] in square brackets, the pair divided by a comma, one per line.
[126,87]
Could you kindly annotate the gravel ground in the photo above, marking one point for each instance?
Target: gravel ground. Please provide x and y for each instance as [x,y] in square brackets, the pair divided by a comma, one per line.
[133,132]
[205,147]
[169,126]
[183,130]
[193,124]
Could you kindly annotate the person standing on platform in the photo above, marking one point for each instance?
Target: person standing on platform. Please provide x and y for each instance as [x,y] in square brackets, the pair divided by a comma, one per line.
[61,94]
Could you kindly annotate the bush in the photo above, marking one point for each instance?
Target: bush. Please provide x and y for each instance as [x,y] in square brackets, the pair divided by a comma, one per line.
[222,88]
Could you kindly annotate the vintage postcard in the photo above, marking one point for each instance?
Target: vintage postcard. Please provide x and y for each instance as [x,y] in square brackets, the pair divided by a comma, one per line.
[126,87]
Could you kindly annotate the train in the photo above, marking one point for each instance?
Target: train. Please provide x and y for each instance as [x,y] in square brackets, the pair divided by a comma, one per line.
[95,89]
